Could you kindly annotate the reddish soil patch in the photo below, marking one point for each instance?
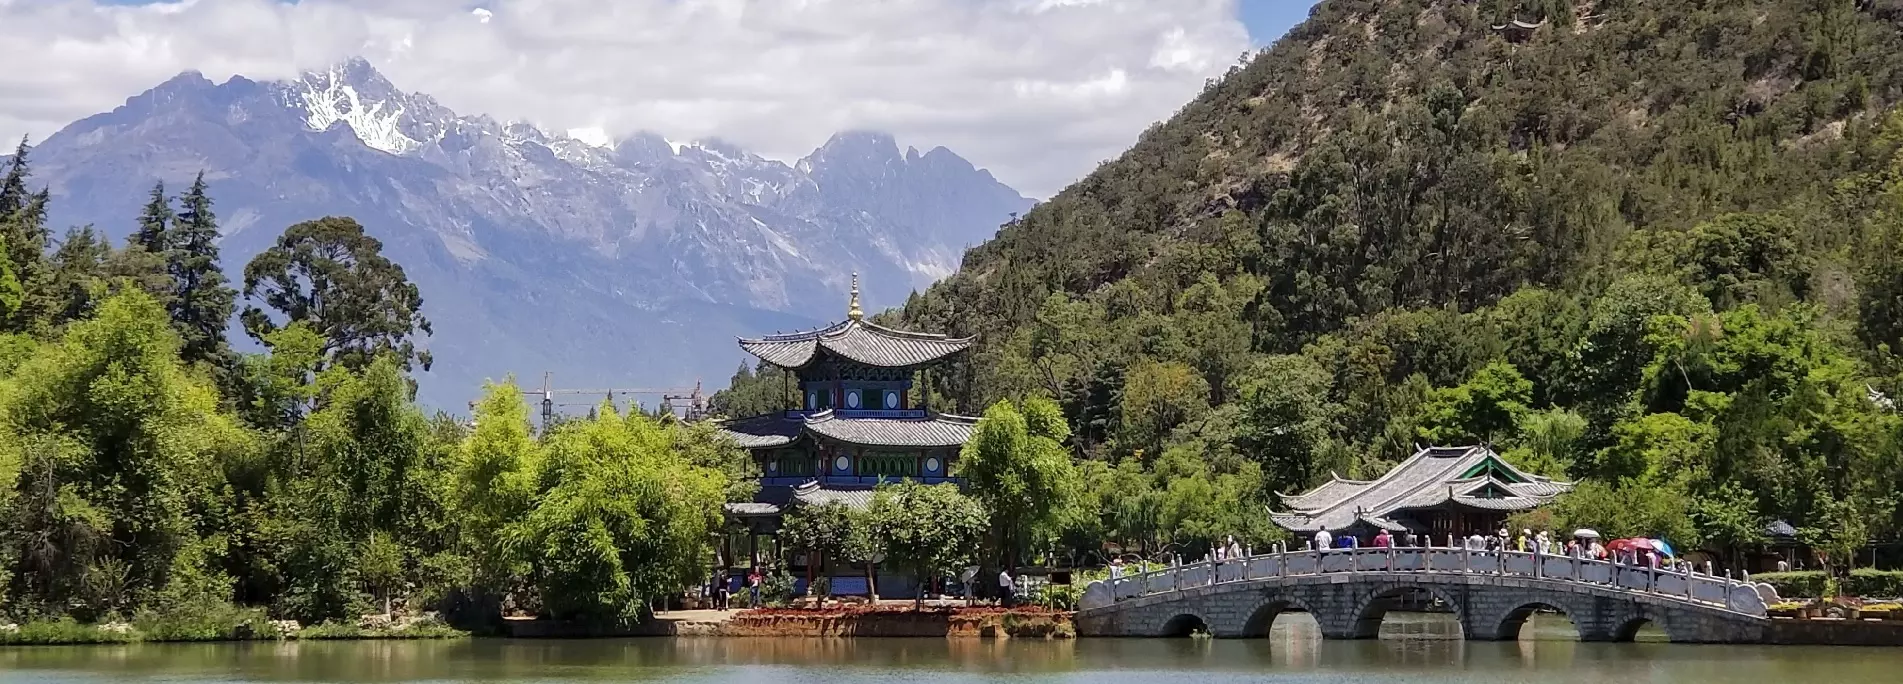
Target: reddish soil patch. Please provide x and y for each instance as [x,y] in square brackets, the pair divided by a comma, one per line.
[897,621]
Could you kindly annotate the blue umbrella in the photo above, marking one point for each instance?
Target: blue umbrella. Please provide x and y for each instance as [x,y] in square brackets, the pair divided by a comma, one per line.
[1660,546]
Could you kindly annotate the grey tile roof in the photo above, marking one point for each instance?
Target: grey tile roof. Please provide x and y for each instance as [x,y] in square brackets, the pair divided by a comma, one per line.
[867,343]
[778,429]
[1431,477]
[752,508]
[933,431]
[761,432]
[1778,528]
[812,494]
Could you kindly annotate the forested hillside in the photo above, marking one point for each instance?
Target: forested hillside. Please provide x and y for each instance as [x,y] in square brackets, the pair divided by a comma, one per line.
[1656,245]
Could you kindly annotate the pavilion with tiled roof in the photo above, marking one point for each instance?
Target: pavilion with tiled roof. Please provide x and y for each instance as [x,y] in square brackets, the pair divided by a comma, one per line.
[856,426]
[1438,491]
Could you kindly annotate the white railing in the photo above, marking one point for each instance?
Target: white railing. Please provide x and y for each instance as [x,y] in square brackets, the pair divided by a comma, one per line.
[1685,583]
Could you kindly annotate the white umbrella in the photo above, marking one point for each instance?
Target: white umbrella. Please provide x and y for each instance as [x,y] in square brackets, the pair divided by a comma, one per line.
[1585,534]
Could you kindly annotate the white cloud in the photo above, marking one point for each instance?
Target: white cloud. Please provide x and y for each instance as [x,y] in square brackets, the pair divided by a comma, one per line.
[1038,91]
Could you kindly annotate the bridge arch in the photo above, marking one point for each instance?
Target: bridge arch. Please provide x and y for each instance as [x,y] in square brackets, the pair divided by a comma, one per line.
[1261,618]
[1386,597]
[1182,625]
[1629,629]
[1508,627]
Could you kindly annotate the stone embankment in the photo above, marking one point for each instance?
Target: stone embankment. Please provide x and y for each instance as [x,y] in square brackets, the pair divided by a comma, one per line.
[849,622]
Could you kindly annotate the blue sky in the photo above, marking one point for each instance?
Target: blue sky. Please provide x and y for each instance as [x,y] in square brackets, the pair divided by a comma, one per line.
[1269,19]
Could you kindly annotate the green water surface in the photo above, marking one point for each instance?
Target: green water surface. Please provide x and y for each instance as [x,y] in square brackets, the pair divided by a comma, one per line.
[1414,649]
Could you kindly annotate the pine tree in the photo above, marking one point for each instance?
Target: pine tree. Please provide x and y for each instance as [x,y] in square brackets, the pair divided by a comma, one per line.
[23,230]
[78,273]
[203,302]
[155,224]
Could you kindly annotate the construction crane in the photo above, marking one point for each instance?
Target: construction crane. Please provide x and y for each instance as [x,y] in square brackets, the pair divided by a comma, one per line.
[692,404]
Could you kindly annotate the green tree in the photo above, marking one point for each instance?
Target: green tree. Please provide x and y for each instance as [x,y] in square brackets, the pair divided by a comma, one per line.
[826,533]
[1157,397]
[281,385]
[493,484]
[154,234]
[78,276]
[125,443]
[1285,419]
[330,275]
[933,530]
[24,235]
[202,301]
[1017,465]
[618,519]
[755,391]
[1488,408]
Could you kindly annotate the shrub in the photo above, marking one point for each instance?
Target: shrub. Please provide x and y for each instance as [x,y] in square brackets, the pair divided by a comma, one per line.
[65,631]
[215,622]
[776,589]
[423,629]
[1863,582]
[1793,585]
[1875,583]
[1058,597]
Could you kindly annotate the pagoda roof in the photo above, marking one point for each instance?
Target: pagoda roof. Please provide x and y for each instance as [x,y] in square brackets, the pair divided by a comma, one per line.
[780,429]
[762,432]
[856,340]
[773,500]
[1473,477]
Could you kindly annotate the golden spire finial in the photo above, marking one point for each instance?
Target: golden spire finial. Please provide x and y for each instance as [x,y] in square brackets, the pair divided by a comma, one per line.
[852,310]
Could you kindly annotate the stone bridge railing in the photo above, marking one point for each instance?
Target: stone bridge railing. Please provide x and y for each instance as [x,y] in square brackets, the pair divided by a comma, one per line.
[1682,585]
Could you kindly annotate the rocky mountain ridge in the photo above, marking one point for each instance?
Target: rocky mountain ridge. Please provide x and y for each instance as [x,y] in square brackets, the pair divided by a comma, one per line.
[628,262]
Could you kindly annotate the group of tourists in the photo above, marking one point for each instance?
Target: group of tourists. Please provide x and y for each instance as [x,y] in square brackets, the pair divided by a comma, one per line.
[719,594]
[1527,541]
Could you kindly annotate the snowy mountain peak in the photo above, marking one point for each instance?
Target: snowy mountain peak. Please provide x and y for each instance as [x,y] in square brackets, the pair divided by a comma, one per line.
[356,94]
[540,247]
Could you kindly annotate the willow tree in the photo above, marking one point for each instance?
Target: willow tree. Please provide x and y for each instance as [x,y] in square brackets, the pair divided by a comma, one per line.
[1018,467]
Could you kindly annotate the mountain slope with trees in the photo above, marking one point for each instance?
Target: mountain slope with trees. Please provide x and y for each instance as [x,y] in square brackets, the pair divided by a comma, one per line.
[1657,245]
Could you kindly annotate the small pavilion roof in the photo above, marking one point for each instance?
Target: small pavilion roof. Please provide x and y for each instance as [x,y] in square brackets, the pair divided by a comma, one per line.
[780,429]
[856,340]
[762,432]
[774,500]
[1473,477]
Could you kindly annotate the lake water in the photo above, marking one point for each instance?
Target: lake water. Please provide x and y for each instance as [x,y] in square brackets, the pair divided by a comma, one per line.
[1413,649]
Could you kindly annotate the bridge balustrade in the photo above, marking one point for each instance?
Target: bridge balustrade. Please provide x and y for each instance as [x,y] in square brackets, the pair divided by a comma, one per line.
[1683,584]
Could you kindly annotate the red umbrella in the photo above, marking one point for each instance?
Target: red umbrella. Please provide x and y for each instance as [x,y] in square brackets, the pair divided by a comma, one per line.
[1634,544]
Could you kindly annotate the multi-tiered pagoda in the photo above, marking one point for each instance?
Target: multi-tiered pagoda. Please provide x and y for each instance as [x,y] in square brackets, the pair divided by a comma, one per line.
[858,424]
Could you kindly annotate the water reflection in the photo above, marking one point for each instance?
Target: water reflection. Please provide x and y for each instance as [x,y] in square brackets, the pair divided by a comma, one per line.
[1413,648]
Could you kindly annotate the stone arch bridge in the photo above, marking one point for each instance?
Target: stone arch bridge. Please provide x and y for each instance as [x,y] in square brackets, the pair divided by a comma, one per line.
[1490,593]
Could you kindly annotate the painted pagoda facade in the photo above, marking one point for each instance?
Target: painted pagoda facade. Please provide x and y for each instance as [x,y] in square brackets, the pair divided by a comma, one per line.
[858,424]
[1439,491]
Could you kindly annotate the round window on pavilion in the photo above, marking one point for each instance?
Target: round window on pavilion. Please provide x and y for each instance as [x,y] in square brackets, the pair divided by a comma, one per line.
[891,399]
[931,465]
[842,464]
[852,399]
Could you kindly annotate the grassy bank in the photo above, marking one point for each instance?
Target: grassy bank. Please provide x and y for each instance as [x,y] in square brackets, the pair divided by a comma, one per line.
[248,625]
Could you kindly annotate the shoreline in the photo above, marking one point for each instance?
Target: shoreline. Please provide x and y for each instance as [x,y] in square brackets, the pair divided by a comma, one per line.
[782,623]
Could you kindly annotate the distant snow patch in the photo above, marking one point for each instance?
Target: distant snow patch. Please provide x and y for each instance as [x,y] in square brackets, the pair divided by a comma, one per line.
[591,136]
[482,15]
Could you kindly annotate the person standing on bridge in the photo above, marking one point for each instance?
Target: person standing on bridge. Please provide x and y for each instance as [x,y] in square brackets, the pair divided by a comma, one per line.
[1323,540]
[1383,540]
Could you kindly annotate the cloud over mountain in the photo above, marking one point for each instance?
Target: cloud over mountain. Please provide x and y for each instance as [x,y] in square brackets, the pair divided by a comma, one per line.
[1037,90]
